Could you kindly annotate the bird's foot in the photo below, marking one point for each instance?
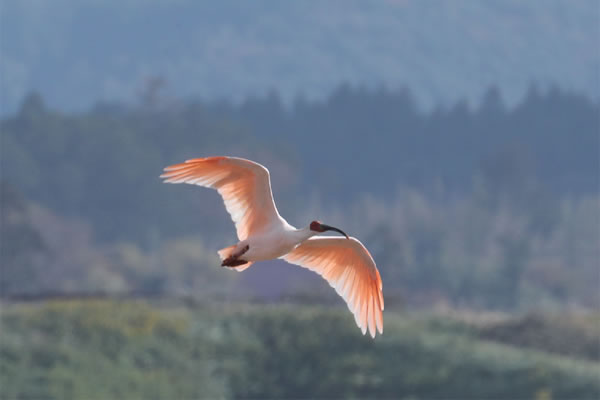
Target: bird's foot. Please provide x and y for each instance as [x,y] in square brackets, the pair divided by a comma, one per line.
[234,259]
[236,262]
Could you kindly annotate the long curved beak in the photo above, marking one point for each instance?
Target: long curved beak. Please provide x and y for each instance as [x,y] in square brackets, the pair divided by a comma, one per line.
[331,228]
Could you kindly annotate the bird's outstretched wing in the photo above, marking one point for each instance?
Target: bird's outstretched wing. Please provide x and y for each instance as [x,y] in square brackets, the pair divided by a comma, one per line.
[351,271]
[243,184]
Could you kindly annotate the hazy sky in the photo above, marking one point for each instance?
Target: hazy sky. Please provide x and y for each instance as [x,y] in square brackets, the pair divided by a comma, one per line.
[76,52]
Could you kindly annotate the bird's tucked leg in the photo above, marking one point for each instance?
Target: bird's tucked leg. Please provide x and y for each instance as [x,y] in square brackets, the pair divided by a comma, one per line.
[233,263]
[234,259]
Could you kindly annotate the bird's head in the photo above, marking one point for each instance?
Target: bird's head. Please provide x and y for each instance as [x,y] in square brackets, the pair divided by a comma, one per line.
[317,226]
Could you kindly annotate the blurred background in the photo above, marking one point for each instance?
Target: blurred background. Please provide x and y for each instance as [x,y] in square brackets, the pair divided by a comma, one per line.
[458,140]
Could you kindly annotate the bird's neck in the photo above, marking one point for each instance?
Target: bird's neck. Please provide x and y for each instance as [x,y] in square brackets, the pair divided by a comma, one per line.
[302,234]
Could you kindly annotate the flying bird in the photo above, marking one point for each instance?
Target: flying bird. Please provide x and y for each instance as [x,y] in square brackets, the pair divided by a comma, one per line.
[263,234]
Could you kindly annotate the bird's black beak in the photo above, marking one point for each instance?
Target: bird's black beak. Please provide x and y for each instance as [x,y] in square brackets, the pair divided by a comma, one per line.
[331,228]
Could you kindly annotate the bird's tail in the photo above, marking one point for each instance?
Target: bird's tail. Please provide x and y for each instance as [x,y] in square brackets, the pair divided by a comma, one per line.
[226,252]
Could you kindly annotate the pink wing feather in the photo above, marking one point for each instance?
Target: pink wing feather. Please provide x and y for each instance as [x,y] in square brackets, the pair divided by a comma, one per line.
[243,184]
[349,268]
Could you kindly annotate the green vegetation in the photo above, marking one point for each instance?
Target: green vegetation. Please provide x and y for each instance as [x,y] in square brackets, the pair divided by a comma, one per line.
[134,349]
[575,335]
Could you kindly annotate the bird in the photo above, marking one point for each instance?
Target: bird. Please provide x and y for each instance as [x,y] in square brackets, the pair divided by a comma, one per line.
[245,187]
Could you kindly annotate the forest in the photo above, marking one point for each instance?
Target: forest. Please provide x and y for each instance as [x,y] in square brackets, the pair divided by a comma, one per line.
[473,206]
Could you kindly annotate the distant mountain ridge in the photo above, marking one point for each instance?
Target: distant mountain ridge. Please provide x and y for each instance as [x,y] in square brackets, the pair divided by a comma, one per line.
[76,52]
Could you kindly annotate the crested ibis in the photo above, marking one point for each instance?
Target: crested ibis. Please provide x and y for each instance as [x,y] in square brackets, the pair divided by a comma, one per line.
[263,234]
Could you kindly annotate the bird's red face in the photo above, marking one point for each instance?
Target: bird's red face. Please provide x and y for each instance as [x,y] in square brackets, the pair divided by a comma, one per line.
[317,226]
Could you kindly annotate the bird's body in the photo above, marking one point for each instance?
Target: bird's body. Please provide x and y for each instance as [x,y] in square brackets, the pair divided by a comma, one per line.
[264,235]
[274,243]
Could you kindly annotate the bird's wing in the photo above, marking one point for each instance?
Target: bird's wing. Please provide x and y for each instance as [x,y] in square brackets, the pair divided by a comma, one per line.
[244,185]
[349,268]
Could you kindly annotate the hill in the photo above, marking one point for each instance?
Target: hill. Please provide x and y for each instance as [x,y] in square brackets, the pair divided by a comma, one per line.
[75,52]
